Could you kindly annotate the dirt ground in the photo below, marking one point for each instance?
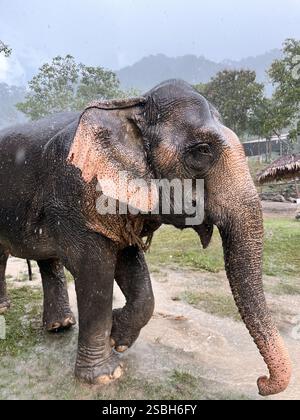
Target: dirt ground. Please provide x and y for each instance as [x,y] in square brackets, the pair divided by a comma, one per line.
[273,208]
[206,356]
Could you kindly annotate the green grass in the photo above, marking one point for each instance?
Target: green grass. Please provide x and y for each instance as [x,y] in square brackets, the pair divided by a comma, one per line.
[69,277]
[171,246]
[282,247]
[171,385]
[24,277]
[281,250]
[287,286]
[23,322]
[215,303]
[177,385]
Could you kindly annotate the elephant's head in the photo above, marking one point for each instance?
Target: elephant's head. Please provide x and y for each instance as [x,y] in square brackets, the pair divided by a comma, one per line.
[173,132]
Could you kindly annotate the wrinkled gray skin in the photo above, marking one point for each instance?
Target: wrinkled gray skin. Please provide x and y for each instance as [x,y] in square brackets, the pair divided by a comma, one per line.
[46,191]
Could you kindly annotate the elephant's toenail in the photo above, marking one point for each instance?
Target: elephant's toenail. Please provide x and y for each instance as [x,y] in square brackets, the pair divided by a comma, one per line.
[66,322]
[55,326]
[121,349]
[103,380]
[69,321]
[117,373]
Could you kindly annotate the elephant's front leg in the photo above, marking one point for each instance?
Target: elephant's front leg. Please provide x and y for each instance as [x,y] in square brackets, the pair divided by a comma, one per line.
[57,313]
[92,259]
[4,301]
[133,278]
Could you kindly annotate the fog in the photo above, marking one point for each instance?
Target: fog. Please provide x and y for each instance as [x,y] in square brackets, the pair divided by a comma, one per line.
[116,33]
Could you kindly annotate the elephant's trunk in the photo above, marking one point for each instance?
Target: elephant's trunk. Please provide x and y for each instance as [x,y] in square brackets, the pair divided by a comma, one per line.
[242,243]
[238,216]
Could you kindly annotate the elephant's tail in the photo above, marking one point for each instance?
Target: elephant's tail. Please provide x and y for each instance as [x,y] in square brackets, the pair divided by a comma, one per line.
[29,269]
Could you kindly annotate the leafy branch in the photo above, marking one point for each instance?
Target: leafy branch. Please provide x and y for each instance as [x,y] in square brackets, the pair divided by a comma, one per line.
[5,49]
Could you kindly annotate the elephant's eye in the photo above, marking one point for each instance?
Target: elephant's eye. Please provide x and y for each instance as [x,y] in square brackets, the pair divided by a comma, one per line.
[204,149]
[198,157]
[199,150]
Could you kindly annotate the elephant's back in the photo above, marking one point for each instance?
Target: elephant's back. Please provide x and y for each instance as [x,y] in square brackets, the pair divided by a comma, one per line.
[21,156]
[39,131]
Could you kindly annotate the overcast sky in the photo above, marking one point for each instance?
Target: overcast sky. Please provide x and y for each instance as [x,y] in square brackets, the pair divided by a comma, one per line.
[115,33]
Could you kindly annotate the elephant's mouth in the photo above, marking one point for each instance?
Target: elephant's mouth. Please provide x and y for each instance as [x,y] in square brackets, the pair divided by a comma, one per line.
[205,232]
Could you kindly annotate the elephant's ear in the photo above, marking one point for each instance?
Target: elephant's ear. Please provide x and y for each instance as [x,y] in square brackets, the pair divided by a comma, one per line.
[108,145]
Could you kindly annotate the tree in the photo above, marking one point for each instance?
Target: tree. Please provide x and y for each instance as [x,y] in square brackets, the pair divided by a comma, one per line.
[5,49]
[64,85]
[285,76]
[53,89]
[267,120]
[237,96]
[96,83]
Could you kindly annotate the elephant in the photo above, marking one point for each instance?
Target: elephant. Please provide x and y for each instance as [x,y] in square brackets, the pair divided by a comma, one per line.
[54,171]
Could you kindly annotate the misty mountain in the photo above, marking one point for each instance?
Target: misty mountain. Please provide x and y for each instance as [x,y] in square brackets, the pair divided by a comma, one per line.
[142,75]
[153,69]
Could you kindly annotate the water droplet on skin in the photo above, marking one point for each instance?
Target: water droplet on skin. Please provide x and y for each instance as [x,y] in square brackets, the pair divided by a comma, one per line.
[20,156]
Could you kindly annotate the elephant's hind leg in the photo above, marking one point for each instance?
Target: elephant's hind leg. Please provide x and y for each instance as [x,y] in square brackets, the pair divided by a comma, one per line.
[133,278]
[4,301]
[57,313]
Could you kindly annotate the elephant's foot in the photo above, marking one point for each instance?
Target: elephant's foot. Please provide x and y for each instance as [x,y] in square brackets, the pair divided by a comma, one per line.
[123,333]
[4,306]
[59,321]
[104,373]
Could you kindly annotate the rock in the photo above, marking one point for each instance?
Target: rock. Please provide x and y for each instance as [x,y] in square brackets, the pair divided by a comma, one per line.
[280,198]
[272,197]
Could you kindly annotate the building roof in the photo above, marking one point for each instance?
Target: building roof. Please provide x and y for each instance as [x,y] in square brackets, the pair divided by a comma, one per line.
[286,167]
